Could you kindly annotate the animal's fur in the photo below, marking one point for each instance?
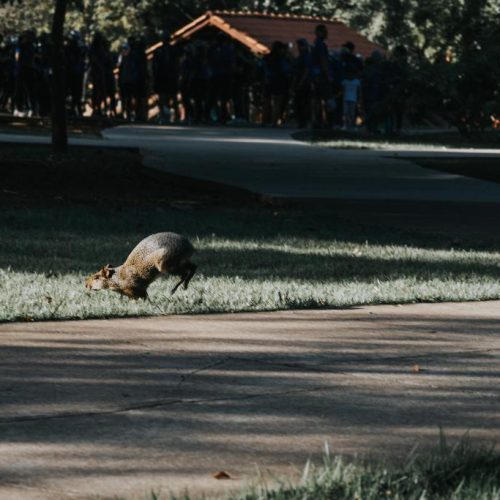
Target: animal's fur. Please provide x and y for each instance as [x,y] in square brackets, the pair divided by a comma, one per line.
[161,253]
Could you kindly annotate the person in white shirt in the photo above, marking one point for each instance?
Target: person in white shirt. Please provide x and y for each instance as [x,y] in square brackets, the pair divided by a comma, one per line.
[351,87]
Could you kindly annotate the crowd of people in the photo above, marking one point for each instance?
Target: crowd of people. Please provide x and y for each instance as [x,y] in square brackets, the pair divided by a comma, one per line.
[207,82]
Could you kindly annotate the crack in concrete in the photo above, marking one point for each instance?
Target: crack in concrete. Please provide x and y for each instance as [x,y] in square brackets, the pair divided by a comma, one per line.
[170,402]
[152,404]
[219,362]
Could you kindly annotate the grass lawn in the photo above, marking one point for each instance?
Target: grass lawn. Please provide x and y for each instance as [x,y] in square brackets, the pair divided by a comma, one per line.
[457,473]
[424,141]
[249,258]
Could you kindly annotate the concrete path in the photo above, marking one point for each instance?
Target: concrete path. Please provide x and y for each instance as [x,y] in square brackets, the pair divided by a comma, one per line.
[271,163]
[119,408]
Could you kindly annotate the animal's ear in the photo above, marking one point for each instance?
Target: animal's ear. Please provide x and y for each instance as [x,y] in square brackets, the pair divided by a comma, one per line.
[108,271]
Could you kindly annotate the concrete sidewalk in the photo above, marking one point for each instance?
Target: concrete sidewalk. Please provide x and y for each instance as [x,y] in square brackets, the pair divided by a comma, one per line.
[123,407]
[269,162]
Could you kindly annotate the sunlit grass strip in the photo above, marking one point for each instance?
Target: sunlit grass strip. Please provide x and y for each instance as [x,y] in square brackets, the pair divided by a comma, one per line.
[30,296]
[381,145]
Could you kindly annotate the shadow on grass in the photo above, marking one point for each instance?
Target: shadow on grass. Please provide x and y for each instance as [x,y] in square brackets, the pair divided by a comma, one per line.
[77,239]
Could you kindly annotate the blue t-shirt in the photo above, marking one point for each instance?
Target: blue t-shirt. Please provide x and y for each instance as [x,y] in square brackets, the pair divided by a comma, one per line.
[351,89]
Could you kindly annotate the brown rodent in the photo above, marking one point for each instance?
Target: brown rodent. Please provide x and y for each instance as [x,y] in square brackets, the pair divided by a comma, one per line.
[161,253]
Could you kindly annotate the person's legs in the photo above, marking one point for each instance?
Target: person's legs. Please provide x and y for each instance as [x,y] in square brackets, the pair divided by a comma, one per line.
[349,114]
[187,103]
[322,93]
[277,106]
[224,94]
[164,105]
[398,116]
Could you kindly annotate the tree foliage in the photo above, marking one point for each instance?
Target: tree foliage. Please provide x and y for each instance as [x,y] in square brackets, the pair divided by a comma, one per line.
[426,26]
[454,45]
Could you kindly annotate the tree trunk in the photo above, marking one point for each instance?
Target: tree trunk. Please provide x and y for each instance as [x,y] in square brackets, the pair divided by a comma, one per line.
[59,130]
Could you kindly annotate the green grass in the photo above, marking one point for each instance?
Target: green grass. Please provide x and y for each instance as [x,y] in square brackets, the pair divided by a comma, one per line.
[418,140]
[459,473]
[249,260]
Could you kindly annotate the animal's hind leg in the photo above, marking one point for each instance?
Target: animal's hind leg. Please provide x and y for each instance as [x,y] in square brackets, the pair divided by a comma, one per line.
[177,286]
[189,270]
[190,273]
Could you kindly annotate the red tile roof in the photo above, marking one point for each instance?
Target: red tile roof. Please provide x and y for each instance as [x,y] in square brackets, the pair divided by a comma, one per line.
[259,31]
[288,28]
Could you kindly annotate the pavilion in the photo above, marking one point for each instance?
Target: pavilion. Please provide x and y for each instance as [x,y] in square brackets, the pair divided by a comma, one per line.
[257,32]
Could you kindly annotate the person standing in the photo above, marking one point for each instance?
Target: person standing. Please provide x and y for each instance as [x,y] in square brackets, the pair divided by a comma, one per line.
[278,72]
[166,77]
[98,57]
[43,65]
[351,87]
[25,74]
[221,58]
[75,71]
[127,75]
[397,77]
[200,82]
[322,79]
[372,83]
[141,88]
[7,74]
[302,84]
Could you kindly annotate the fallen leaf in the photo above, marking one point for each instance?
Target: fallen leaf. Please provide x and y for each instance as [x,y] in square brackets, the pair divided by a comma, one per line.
[222,475]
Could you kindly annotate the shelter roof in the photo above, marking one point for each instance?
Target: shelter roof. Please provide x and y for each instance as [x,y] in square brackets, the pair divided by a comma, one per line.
[258,31]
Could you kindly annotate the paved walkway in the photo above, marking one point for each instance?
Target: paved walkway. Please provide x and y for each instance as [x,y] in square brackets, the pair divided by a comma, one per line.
[118,408]
[271,163]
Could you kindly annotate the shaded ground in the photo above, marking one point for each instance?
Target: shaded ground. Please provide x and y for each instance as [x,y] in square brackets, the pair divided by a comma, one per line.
[77,127]
[272,164]
[96,175]
[487,169]
[110,408]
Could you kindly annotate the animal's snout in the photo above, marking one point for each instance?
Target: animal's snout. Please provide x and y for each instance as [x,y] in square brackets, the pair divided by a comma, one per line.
[90,284]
